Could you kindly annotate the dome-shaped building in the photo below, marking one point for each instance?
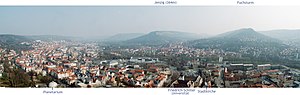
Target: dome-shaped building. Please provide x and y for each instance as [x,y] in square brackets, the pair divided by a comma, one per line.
[53,84]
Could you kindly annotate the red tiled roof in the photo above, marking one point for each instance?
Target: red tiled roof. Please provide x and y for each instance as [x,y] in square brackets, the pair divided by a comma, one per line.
[112,68]
[139,71]
[272,71]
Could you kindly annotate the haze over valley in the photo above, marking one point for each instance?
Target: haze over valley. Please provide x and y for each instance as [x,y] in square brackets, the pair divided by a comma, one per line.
[150,47]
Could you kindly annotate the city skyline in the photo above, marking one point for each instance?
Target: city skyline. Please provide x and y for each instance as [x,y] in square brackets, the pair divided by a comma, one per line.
[108,21]
[246,56]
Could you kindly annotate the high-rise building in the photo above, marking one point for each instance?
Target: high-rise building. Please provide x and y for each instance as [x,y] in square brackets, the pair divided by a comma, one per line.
[220,59]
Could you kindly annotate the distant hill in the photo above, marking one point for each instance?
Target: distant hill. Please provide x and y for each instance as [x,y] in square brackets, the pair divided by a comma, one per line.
[162,37]
[235,40]
[247,34]
[123,37]
[290,37]
[283,34]
[6,38]
[15,42]
[52,37]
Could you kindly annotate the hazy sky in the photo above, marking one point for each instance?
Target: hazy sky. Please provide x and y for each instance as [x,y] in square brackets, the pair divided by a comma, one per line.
[99,21]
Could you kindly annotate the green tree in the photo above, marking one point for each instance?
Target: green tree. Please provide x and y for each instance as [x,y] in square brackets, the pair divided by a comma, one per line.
[46,79]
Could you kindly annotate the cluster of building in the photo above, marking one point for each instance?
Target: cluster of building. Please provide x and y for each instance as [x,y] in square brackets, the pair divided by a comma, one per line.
[177,49]
[1,70]
[1,65]
[6,54]
[72,64]
[229,75]
[259,76]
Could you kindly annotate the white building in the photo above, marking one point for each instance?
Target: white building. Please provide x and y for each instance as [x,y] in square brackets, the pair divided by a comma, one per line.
[1,73]
[1,70]
[53,84]
[220,59]
[264,67]
[143,60]
[113,63]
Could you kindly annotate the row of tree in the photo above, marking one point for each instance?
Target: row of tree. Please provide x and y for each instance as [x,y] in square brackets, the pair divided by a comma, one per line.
[16,77]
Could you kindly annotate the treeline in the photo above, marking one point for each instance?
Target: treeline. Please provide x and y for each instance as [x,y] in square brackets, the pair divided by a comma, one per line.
[15,77]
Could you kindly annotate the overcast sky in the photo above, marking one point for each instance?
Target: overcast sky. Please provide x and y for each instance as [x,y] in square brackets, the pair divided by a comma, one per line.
[99,21]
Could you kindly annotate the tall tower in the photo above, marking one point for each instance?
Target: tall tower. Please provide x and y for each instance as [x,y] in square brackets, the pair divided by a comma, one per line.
[220,59]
